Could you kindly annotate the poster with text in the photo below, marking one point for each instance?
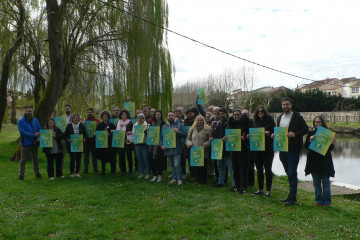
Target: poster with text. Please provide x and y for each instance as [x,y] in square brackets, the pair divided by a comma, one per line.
[216,149]
[169,138]
[257,139]
[233,140]
[153,135]
[281,142]
[46,138]
[101,139]
[202,96]
[77,144]
[322,140]
[118,139]
[130,106]
[61,123]
[139,133]
[197,156]
[90,127]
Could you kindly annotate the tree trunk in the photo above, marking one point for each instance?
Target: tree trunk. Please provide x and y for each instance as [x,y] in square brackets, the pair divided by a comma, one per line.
[7,62]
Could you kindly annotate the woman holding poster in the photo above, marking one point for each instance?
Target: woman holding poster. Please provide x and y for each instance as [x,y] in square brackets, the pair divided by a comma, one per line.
[54,152]
[107,153]
[199,135]
[321,167]
[139,139]
[74,128]
[264,159]
[126,125]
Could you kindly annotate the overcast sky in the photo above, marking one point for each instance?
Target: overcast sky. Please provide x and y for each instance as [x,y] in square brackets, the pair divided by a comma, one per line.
[313,39]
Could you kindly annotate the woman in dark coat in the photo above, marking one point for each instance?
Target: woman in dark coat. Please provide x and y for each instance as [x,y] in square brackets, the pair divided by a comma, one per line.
[321,167]
[55,152]
[240,159]
[127,125]
[265,158]
[106,154]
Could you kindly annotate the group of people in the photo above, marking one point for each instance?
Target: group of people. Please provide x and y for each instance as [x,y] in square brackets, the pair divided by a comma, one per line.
[195,127]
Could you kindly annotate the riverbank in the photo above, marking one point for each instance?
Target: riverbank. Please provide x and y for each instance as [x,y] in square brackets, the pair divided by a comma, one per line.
[342,127]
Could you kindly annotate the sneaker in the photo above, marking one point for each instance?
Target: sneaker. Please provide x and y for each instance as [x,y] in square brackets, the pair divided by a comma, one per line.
[21,178]
[52,178]
[184,176]
[180,182]
[233,189]
[62,176]
[72,175]
[170,176]
[291,201]
[77,175]
[173,181]
[154,179]
[159,179]
[258,193]
[147,176]
[141,176]
[38,175]
[267,194]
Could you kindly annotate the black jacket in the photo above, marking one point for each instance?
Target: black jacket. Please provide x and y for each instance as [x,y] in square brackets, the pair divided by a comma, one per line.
[58,137]
[317,163]
[268,123]
[242,124]
[109,152]
[299,127]
[69,130]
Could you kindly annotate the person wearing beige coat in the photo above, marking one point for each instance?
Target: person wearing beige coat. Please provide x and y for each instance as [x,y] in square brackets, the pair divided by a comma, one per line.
[199,135]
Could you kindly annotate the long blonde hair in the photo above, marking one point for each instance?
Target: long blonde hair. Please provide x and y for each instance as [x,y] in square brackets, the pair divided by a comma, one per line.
[200,117]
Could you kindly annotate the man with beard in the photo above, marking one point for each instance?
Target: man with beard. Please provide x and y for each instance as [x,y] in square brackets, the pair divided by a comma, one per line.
[89,146]
[179,116]
[63,142]
[29,128]
[116,112]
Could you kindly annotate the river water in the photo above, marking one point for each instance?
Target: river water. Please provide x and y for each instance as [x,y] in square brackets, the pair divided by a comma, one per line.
[346,158]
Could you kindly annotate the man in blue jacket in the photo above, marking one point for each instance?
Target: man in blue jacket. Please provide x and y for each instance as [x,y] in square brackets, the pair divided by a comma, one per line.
[29,128]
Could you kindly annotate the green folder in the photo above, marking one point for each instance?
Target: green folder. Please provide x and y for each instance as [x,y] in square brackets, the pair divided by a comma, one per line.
[197,156]
[114,121]
[77,144]
[257,139]
[233,140]
[281,142]
[61,123]
[46,138]
[139,133]
[322,140]
[101,139]
[153,135]
[202,96]
[169,138]
[130,106]
[90,127]
[216,149]
[118,140]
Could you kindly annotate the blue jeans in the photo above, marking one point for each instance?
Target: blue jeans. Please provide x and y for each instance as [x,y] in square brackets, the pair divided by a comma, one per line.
[322,194]
[175,162]
[221,165]
[141,154]
[290,161]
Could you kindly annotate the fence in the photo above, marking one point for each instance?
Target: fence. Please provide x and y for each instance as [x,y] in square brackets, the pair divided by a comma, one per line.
[348,117]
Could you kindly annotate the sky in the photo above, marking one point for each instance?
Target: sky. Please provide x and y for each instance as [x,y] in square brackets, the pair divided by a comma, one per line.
[314,39]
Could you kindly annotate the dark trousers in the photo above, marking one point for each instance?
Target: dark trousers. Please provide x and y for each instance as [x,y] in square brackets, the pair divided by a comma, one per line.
[104,160]
[264,160]
[124,154]
[240,162]
[57,157]
[193,171]
[157,163]
[90,148]
[201,173]
[290,161]
[136,161]
[75,162]
[217,172]
[251,170]
[183,163]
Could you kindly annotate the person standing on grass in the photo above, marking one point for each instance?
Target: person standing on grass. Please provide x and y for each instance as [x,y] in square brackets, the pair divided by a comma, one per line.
[191,114]
[157,157]
[199,135]
[55,152]
[264,159]
[297,128]
[106,154]
[251,163]
[63,141]
[29,128]
[320,167]
[174,154]
[75,127]
[89,146]
[240,159]
[141,149]
[225,163]
[125,153]
[179,116]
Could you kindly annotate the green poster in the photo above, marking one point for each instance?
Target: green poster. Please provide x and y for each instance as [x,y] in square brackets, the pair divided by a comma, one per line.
[46,138]
[233,139]
[118,139]
[90,127]
[130,106]
[187,128]
[197,156]
[139,134]
[153,135]
[280,139]
[202,96]
[77,144]
[216,149]
[322,140]
[101,139]
[114,121]
[257,139]
[61,123]
[133,120]
[169,138]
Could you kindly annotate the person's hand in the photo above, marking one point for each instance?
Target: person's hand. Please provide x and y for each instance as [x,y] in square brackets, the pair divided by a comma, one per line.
[163,148]
[108,134]
[224,138]
[272,136]
[242,138]
[38,139]
[190,146]
[267,133]
[291,134]
[94,133]
[146,128]
[332,140]
[247,136]
[312,138]
[84,140]
[37,134]
[69,140]
[210,139]
[176,130]
[112,131]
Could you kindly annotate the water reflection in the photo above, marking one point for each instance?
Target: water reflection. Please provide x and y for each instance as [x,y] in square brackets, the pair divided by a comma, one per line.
[346,158]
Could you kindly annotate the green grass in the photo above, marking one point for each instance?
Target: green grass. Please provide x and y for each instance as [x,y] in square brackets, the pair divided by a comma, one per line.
[339,124]
[124,207]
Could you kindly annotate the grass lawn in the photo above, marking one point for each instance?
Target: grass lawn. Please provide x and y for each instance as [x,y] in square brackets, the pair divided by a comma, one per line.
[124,207]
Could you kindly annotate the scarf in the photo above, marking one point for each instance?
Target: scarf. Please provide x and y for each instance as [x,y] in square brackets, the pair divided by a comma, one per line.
[123,124]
